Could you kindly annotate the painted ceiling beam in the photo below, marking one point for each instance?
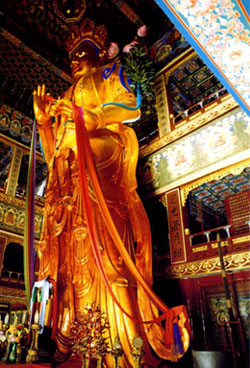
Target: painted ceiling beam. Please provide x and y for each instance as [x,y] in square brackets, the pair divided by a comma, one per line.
[220,34]
[19,44]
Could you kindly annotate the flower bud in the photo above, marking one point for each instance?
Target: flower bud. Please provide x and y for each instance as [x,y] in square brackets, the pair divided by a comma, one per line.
[113,50]
[142,31]
[129,46]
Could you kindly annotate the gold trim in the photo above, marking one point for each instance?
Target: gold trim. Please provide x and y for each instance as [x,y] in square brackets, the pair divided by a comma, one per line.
[13,296]
[162,106]
[12,142]
[189,126]
[199,113]
[210,106]
[4,242]
[11,237]
[175,63]
[243,239]
[163,200]
[5,198]
[199,249]
[14,171]
[209,266]
[223,244]
[224,98]
[234,169]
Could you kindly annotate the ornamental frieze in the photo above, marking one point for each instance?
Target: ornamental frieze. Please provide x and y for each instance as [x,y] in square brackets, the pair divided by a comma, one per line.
[12,296]
[223,142]
[187,127]
[12,217]
[17,202]
[232,262]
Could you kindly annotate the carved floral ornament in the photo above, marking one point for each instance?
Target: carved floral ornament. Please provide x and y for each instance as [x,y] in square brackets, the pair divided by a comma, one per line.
[209,266]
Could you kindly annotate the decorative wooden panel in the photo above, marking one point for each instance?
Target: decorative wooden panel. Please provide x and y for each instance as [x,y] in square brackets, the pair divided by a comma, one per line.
[177,241]
[238,211]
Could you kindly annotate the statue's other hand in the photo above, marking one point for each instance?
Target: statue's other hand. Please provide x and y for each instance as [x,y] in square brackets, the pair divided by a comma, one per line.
[94,118]
[62,107]
[41,104]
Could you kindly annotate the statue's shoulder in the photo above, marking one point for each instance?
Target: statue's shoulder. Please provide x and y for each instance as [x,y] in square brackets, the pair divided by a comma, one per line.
[114,72]
[112,69]
[68,93]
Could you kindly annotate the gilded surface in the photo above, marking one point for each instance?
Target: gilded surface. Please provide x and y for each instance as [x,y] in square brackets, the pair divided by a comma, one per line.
[12,215]
[12,296]
[208,266]
[199,249]
[162,106]
[65,250]
[243,239]
[17,202]
[14,171]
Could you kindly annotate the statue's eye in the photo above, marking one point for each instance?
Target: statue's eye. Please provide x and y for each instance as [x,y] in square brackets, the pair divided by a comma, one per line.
[81,54]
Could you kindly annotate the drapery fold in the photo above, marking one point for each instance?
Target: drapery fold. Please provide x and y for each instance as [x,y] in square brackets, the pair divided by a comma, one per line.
[86,164]
[29,273]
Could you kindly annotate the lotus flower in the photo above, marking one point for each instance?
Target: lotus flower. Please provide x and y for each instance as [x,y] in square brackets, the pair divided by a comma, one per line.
[113,50]
[142,31]
[129,46]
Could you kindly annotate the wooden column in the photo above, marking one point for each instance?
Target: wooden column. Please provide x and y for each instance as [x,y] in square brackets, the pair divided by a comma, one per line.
[14,171]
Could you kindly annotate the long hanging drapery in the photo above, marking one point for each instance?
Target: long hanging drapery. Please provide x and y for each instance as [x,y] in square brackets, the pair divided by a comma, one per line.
[86,161]
[173,341]
[29,274]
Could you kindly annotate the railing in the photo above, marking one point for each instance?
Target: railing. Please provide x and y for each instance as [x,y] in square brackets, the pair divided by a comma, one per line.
[199,105]
[148,137]
[210,235]
[186,114]
[12,277]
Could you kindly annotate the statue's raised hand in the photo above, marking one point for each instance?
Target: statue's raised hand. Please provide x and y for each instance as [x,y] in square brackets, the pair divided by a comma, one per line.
[42,105]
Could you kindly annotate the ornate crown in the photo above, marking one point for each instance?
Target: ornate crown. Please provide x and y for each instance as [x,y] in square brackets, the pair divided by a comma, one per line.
[87,31]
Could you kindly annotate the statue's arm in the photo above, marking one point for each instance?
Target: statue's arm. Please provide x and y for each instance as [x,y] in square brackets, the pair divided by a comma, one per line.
[120,102]
[42,109]
[115,107]
[115,113]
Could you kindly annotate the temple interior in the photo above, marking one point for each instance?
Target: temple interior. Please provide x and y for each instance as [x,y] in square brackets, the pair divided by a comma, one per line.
[193,168]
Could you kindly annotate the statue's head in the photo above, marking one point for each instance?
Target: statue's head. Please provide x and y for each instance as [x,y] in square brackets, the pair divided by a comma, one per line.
[87,45]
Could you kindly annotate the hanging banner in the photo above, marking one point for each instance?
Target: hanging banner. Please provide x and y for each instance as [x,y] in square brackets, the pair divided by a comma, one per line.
[220,34]
[175,223]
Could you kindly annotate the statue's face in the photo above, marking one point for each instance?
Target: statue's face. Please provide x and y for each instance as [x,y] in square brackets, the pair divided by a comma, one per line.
[83,60]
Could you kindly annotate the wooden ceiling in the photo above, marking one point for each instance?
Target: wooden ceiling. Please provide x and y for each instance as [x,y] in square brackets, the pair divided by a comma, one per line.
[32,39]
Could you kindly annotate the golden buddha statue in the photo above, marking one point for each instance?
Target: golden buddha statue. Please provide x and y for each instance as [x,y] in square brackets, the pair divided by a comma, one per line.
[65,251]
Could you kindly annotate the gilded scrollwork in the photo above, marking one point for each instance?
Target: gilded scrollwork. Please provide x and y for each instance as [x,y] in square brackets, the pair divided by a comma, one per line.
[12,216]
[12,296]
[241,239]
[16,202]
[208,266]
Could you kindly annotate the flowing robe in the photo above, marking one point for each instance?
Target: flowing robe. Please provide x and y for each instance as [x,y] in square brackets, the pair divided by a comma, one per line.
[65,250]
